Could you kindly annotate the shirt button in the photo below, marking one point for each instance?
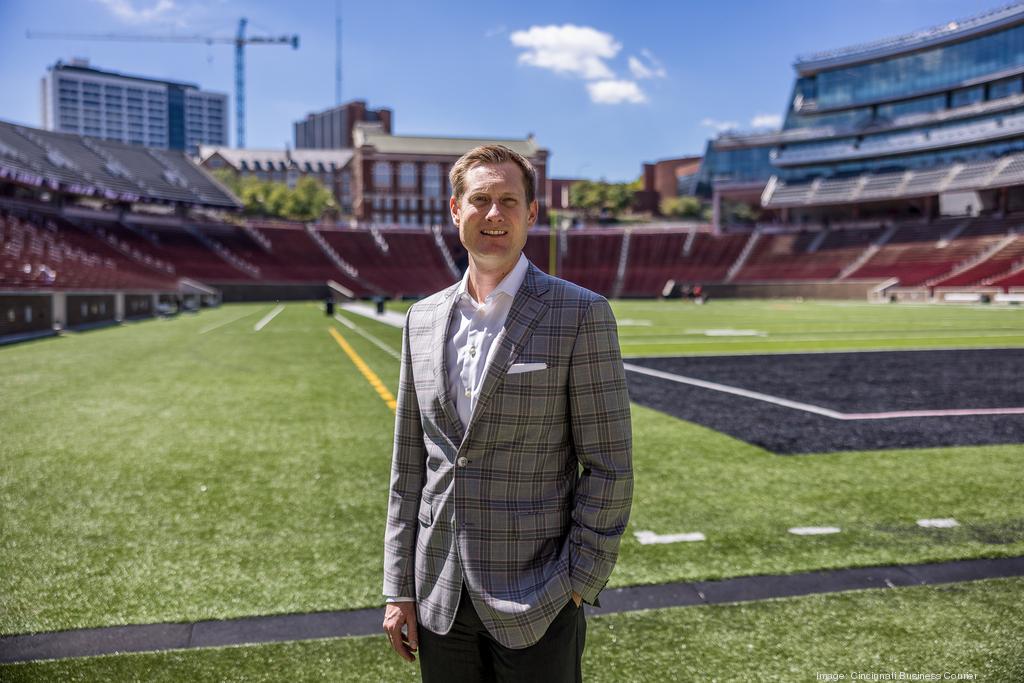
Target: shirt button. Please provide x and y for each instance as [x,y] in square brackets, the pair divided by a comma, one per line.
[462,461]
[468,393]
[472,350]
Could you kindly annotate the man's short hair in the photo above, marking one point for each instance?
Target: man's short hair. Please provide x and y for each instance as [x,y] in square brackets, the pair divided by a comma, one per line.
[491,154]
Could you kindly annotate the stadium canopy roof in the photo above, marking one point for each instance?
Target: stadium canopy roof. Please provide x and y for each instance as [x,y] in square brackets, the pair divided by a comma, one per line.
[989,174]
[952,31]
[373,136]
[79,165]
[306,160]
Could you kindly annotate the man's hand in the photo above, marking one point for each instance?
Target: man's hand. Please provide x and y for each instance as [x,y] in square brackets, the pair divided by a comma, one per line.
[396,615]
[577,598]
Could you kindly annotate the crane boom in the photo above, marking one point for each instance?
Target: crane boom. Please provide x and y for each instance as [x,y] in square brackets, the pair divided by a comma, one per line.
[239,41]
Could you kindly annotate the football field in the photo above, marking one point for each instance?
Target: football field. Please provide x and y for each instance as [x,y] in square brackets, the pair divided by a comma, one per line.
[235,463]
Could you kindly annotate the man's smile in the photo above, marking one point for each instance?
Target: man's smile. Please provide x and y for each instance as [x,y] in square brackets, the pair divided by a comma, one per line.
[494,233]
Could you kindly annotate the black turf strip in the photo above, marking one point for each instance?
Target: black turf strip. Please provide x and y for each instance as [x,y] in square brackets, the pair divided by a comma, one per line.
[847,383]
[289,627]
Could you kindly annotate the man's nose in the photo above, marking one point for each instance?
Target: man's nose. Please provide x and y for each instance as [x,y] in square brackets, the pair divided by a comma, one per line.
[494,213]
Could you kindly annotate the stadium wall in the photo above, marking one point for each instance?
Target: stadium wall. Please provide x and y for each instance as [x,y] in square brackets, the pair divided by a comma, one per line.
[857,290]
[233,292]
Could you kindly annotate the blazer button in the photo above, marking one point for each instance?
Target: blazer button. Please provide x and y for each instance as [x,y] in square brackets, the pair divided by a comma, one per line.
[462,461]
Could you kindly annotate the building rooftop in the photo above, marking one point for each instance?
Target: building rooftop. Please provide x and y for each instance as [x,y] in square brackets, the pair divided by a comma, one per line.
[82,66]
[372,135]
[986,22]
[278,158]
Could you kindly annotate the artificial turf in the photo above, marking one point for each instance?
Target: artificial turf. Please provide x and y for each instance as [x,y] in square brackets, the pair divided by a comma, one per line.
[155,473]
[960,629]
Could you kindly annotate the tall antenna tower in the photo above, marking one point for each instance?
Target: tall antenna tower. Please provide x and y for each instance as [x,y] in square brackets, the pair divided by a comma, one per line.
[337,52]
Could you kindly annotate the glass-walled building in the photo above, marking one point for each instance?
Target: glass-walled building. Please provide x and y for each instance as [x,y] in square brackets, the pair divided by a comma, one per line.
[883,114]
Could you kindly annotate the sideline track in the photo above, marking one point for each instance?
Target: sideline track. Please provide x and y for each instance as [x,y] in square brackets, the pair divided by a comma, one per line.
[366,622]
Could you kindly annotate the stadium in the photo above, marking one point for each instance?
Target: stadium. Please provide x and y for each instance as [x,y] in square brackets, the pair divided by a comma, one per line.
[828,441]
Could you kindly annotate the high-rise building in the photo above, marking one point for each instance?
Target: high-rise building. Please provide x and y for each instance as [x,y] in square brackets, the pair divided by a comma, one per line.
[332,129]
[78,98]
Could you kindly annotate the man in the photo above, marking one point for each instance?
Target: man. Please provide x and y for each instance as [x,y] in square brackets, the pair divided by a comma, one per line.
[511,478]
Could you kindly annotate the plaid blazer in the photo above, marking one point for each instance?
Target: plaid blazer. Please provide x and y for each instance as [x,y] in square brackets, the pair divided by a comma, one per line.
[529,501]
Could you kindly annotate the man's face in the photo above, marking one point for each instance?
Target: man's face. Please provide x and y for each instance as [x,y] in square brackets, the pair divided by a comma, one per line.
[493,215]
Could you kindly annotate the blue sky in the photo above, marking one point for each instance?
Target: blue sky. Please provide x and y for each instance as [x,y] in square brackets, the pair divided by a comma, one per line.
[604,86]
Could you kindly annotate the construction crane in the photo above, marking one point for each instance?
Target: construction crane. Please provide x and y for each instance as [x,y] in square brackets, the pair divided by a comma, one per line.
[240,41]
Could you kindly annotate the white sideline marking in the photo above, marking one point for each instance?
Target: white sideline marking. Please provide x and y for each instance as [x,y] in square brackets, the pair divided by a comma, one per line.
[222,323]
[649,537]
[628,322]
[818,410]
[389,317]
[814,530]
[942,523]
[725,332]
[369,337]
[268,317]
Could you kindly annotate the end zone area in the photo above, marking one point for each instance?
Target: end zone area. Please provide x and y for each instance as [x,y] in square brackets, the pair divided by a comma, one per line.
[824,402]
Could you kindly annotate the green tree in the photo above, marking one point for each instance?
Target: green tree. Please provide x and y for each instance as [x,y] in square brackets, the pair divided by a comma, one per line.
[599,197]
[681,207]
[307,201]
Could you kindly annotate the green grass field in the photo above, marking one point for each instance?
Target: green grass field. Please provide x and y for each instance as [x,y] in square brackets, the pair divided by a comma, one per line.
[193,468]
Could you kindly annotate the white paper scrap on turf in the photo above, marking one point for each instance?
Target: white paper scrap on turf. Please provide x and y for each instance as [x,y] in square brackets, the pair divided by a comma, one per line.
[942,523]
[814,530]
[649,537]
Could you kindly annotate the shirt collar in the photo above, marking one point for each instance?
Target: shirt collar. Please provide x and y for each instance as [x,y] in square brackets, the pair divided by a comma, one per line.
[509,285]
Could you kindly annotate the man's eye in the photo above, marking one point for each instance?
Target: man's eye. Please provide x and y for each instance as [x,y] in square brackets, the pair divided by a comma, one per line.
[509,201]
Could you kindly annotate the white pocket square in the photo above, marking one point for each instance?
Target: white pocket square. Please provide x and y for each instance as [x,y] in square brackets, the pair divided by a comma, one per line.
[517,368]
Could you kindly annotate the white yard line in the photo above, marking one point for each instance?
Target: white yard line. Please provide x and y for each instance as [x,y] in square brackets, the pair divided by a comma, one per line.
[814,530]
[818,410]
[369,337]
[388,317]
[268,317]
[211,328]
[726,389]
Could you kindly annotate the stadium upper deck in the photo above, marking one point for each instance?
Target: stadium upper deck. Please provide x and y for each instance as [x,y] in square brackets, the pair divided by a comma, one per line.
[911,108]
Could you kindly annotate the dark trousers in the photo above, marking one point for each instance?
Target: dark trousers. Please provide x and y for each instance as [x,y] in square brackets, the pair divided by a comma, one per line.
[469,654]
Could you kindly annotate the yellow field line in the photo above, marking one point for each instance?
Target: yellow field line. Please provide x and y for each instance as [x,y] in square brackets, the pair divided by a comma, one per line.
[369,374]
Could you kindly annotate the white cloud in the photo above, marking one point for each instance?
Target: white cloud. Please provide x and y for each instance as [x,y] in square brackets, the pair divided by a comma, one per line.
[569,49]
[766,121]
[652,69]
[126,11]
[720,126]
[615,92]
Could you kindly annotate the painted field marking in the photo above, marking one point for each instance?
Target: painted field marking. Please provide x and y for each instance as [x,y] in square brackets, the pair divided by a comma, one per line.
[389,317]
[628,322]
[368,373]
[369,337]
[649,537]
[942,523]
[222,323]
[818,410]
[725,332]
[814,530]
[268,317]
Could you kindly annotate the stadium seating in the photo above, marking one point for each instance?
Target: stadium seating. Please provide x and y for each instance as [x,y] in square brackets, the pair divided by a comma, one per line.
[789,257]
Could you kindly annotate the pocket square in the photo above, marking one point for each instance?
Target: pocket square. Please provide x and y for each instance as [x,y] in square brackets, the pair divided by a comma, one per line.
[517,368]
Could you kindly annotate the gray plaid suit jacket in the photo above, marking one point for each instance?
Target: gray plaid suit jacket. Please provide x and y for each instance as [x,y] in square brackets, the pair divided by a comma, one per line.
[529,501]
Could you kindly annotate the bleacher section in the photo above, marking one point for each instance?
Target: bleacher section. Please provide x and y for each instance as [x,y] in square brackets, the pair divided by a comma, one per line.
[789,256]
[656,257]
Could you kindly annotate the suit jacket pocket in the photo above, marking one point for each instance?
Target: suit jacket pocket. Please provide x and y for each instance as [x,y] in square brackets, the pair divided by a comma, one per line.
[426,513]
[543,524]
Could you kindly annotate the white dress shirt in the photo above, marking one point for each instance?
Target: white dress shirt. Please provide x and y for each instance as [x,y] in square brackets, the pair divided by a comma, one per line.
[470,343]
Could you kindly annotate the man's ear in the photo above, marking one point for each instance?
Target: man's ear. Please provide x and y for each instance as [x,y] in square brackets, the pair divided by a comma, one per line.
[534,210]
[453,207]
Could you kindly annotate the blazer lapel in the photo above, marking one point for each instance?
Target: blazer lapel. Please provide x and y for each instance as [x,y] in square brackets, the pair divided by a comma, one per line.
[439,343]
[526,312]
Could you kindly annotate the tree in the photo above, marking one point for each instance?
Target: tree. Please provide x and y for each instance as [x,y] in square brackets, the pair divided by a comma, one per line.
[681,207]
[307,201]
[601,198]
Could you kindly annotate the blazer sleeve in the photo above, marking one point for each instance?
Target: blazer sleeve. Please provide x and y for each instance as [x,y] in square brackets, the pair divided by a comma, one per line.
[602,439]
[407,476]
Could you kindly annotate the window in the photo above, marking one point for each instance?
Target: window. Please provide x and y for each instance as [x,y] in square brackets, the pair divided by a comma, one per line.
[382,175]
[407,175]
[432,180]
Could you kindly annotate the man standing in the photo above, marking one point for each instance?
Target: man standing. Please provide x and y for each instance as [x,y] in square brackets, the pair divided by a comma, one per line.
[511,479]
